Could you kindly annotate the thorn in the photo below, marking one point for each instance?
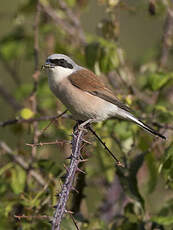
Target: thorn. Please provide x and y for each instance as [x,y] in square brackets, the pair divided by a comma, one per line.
[83,160]
[50,221]
[87,142]
[66,168]
[74,189]
[69,158]
[58,195]
[63,177]
[79,170]
[68,211]
[118,163]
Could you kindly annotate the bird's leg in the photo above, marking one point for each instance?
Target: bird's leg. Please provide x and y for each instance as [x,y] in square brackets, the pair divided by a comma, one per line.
[85,123]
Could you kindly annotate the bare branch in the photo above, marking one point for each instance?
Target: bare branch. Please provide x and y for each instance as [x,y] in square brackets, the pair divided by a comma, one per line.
[12,70]
[35,76]
[38,217]
[9,98]
[71,171]
[71,215]
[57,142]
[167,37]
[72,30]
[100,140]
[31,120]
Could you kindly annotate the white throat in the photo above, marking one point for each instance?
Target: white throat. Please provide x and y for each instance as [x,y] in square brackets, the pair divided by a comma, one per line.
[58,73]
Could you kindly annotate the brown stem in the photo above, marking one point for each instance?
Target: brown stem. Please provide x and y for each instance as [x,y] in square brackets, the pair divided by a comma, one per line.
[35,76]
[167,37]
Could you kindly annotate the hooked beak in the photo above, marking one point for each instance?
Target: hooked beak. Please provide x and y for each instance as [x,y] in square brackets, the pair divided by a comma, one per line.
[47,66]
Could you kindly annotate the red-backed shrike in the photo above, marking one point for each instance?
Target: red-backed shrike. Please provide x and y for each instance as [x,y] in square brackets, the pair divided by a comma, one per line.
[84,94]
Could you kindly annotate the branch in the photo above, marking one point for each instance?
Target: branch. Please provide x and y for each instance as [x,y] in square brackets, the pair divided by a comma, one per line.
[79,195]
[12,70]
[100,140]
[64,24]
[68,184]
[9,98]
[20,161]
[38,217]
[167,38]
[35,77]
[31,120]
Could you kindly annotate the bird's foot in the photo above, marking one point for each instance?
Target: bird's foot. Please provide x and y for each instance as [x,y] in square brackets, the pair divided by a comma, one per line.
[83,125]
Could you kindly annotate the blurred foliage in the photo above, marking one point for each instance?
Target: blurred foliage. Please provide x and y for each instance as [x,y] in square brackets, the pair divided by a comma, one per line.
[140,196]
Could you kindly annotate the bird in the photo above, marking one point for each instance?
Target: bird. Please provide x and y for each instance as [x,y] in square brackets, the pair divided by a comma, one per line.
[85,95]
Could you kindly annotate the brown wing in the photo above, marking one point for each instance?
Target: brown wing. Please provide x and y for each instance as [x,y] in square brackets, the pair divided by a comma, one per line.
[92,84]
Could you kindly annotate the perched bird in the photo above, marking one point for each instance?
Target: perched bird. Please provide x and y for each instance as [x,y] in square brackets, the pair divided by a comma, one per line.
[84,94]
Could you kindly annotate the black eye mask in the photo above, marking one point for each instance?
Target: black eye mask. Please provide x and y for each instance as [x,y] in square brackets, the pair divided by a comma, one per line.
[61,62]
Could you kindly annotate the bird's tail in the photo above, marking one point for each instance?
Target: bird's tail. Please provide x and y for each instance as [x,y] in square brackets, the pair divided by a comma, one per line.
[143,125]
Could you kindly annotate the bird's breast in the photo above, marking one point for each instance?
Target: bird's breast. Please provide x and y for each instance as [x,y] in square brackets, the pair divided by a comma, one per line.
[81,104]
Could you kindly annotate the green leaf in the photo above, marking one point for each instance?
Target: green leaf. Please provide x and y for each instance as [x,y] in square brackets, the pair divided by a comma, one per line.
[26,113]
[128,178]
[151,163]
[158,80]
[103,52]
[18,179]
[123,131]
[92,54]
[164,220]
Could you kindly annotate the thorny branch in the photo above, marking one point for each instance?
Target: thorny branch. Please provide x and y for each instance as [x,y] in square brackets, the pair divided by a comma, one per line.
[57,142]
[38,217]
[68,184]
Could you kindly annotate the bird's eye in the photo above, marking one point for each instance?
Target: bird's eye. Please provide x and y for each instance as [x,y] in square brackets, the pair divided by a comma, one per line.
[62,62]
[54,61]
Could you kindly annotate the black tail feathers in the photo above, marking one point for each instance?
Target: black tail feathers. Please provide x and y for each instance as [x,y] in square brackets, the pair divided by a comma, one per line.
[151,130]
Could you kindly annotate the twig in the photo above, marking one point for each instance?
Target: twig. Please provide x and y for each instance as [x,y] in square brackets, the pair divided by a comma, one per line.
[45,128]
[64,24]
[167,37]
[35,76]
[12,70]
[71,215]
[31,120]
[166,126]
[67,187]
[72,16]
[100,140]
[9,98]
[20,161]
[38,217]
[49,143]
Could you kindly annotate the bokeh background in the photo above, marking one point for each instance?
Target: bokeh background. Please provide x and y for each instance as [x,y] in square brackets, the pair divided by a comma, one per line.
[128,44]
